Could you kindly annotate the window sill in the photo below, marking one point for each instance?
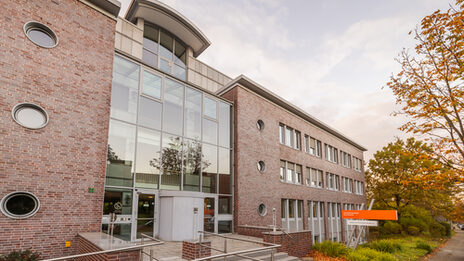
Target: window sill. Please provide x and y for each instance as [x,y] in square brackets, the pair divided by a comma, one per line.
[290,147]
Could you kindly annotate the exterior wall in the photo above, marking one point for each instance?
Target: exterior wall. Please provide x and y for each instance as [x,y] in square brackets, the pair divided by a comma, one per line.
[85,246]
[296,244]
[252,145]
[129,37]
[205,76]
[58,163]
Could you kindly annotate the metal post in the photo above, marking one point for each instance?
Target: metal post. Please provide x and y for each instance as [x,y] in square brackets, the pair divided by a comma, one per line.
[225,248]
[272,254]
[274,220]
[151,254]
[361,229]
[201,236]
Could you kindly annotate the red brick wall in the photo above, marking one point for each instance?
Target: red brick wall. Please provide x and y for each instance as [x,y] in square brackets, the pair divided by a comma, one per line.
[192,250]
[58,163]
[251,231]
[251,145]
[297,244]
[85,246]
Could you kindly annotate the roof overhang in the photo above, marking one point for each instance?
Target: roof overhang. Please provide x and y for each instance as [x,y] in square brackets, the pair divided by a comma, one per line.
[245,82]
[110,6]
[166,17]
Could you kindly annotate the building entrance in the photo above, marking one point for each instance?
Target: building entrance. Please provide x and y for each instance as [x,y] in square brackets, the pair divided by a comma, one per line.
[145,221]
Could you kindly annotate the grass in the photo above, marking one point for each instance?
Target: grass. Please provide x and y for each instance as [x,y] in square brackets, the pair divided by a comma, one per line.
[410,250]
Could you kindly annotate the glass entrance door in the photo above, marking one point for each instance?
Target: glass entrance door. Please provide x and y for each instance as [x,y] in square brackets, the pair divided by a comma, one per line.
[209,215]
[146,220]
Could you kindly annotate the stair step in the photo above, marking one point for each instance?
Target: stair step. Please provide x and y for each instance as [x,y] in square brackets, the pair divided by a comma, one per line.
[262,255]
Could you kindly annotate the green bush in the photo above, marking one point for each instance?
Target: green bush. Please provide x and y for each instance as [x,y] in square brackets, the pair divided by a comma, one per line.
[412,230]
[26,255]
[364,254]
[333,249]
[447,227]
[423,245]
[437,230]
[416,217]
[356,256]
[385,245]
[392,228]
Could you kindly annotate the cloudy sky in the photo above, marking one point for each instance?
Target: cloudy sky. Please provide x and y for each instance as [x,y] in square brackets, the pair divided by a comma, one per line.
[330,58]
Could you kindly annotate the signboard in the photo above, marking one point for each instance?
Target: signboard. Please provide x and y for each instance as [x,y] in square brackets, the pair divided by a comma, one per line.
[370,214]
[369,223]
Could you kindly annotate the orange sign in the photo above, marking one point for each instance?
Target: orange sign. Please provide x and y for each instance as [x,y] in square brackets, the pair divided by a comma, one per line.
[370,214]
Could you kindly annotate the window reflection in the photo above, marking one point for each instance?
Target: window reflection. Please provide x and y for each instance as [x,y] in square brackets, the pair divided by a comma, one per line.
[170,162]
[225,206]
[173,103]
[192,165]
[209,172]
[209,131]
[148,154]
[224,171]
[121,145]
[192,126]
[150,113]
[124,92]
[224,124]
[210,107]
[151,84]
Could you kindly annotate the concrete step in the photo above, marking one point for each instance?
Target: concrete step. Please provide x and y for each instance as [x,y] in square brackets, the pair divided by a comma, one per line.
[262,255]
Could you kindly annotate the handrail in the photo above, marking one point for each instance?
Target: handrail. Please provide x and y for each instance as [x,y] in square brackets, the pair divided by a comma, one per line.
[239,239]
[238,252]
[158,242]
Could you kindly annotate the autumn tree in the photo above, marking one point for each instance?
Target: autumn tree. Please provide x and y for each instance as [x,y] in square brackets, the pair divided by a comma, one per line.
[408,173]
[430,83]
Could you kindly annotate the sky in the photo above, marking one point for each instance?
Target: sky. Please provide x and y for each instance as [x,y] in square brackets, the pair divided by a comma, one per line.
[331,58]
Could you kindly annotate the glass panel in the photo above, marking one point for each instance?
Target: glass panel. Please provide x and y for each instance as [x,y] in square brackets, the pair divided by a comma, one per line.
[151,84]
[124,92]
[282,170]
[210,107]
[40,37]
[291,208]
[320,177]
[313,177]
[180,54]
[192,165]
[150,38]
[283,208]
[118,201]
[298,174]
[171,162]
[165,66]
[192,125]
[179,72]
[288,136]
[150,58]
[315,204]
[210,131]
[300,208]
[209,168]
[148,159]
[173,107]
[166,45]
[224,124]
[150,113]
[120,157]
[225,206]
[290,170]
[224,171]
[224,227]
[145,215]
[209,215]
[281,134]
[121,231]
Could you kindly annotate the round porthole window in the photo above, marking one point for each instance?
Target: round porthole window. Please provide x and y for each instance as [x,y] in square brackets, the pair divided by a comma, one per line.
[260,125]
[30,115]
[262,210]
[19,205]
[40,34]
[261,166]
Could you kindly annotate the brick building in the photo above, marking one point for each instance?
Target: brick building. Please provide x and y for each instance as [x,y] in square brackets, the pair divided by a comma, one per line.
[103,114]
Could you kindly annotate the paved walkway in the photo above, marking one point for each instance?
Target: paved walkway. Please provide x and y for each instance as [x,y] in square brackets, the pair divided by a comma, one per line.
[453,250]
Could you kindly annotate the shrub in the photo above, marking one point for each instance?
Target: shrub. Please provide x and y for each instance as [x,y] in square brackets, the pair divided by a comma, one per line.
[363,254]
[437,230]
[356,256]
[26,255]
[332,249]
[385,245]
[412,230]
[392,228]
[447,228]
[423,245]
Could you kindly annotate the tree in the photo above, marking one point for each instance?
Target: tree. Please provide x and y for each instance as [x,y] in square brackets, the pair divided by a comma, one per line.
[407,173]
[430,83]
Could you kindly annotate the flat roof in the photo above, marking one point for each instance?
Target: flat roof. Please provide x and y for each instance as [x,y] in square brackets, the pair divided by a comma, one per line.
[249,84]
[111,6]
[166,17]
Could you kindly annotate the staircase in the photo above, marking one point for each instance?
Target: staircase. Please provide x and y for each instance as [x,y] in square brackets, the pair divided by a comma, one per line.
[261,255]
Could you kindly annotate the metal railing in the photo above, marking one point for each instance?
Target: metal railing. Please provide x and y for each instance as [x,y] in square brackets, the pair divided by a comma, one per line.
[134,247]
[225,253]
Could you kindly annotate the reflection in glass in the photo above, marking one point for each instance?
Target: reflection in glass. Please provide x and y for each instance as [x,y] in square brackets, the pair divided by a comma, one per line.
[148,153]
[209,172]
[192,165]
[180,54]
[179,72]
[171,162]
[150,38]
[118,201]
[121,231]
[151,84]
[150,58]
[210,107]
[165,66]
[209,131]
[225,206]
[208,223]
[166,45]
[145,215]
[224,171]
[124,92]
[224,227]
[150,113]
[192,126]
[224,124]
[173,103]
[121,145]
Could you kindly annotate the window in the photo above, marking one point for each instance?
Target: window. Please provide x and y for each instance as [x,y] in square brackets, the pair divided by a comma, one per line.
[261,166]
[173,107]
[358,187]
[210,107]
[333,181]
[148,155]
[40,34]
[291,172]
[289,136]
[316,220]
[19,205]
[281,134]
[192,112]
[314,178]
[331,153]
[151,85]
[262,210]
[125,90]
[260,125]
[347,185]
[30,116]
[312,146]
[283,208]
[345,159]
[297,140]
[298,174]
[224,124]
[357,164]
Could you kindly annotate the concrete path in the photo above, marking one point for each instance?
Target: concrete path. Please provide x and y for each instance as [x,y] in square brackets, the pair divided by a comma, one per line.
[453,250]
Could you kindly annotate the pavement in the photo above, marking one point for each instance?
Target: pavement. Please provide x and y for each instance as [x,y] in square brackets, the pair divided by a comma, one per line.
[453,250]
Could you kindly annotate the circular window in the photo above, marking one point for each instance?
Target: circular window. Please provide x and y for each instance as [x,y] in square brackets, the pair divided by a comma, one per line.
[19,205]
[261,166]
[30,115]
[40,34]
[260,125]
[262,210]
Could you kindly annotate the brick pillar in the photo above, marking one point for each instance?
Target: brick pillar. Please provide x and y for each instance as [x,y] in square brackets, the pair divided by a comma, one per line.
[297,244]
[191,249]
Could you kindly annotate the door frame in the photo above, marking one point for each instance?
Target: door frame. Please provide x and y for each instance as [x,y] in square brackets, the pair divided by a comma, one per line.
[216,211]
[156,217]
